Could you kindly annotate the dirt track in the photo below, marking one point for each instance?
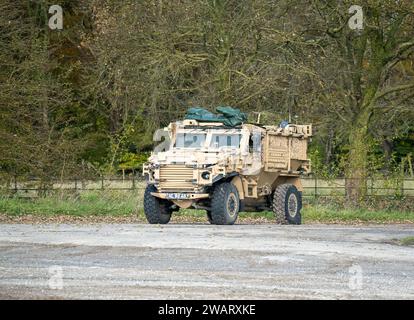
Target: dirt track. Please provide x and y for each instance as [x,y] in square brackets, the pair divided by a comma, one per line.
[138,261]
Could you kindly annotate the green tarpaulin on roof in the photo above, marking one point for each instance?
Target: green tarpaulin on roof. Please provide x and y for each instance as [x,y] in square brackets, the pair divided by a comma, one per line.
[228,115]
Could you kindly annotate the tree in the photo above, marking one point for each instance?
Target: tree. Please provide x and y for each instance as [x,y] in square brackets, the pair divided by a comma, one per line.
[39,132]
[154,59]
[96,91]
[361,73]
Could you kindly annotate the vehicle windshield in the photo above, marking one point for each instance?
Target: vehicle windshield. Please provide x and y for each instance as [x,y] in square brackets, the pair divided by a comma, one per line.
[225,140]
[190,140]
[211,139]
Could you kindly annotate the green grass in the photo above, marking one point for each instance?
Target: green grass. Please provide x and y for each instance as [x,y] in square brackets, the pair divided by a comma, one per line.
[408,241]
[127,203]
[87,203]
[328,214]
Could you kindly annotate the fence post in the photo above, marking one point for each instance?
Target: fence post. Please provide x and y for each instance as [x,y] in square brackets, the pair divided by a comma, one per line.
[15,183]
[76,184]
[316,187]
[133,181]
[102,183]
[372,187]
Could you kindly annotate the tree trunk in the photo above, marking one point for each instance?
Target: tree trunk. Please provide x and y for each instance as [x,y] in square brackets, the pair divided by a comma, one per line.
[387,147]
[329,146]
[356,170]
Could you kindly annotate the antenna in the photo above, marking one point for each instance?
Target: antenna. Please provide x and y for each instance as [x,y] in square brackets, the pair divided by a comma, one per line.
[259,114]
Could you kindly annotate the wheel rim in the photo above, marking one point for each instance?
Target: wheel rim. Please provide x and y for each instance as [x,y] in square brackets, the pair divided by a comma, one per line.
[292,205]
[232,205]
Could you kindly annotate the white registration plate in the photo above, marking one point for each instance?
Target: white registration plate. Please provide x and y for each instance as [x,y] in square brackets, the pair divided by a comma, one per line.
[178,196]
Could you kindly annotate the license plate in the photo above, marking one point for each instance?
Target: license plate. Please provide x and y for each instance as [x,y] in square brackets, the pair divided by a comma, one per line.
[177,196]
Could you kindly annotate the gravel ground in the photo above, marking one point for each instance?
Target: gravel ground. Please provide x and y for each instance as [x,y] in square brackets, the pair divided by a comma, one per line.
[199,261]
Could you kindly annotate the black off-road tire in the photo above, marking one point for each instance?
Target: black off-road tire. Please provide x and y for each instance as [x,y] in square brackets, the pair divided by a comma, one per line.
[225,204]
[209,218]
[286,205]
[157,211]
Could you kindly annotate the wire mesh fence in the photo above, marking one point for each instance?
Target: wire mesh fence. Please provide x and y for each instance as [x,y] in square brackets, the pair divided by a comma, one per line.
[381,187]
[313,187]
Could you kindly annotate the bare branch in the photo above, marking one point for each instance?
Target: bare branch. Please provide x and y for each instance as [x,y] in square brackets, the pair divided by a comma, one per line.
[393,90]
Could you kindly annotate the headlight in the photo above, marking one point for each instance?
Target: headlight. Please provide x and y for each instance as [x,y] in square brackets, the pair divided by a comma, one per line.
[205,175]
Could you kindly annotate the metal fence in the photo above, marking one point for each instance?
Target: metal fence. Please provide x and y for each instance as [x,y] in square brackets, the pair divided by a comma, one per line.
[313,187]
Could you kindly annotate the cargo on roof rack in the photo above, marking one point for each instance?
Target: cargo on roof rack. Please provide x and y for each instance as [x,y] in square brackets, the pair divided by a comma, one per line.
[227,115]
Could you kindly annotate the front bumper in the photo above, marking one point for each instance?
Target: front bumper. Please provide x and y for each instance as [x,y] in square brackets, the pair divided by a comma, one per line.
[180,196]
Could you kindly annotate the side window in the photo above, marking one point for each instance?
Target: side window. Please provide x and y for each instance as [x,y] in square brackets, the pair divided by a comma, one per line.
[251,144]
[255,142]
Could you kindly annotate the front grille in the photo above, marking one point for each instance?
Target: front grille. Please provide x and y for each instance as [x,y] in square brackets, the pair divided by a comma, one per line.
[176,178]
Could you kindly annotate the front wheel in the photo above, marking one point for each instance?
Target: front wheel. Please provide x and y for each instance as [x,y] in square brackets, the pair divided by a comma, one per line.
[225,204]
[157,211]
[287,203]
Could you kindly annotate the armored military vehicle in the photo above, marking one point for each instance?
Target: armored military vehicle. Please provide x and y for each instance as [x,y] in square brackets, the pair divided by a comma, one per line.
[225,167]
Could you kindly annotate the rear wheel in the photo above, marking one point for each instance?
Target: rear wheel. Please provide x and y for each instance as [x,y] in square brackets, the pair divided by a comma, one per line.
[157,211]
[287,203]
[210,219]
[225,204]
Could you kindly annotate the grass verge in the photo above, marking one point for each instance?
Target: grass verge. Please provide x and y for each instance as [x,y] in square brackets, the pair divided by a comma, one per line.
[332,214]
[127,205]
[408,241]
[116,203]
